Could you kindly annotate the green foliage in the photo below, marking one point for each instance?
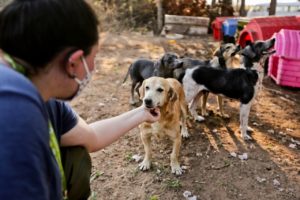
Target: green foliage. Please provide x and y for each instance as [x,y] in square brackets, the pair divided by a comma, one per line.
[129,157]
[173,184]
[142,14]
[154,197]
[95,175]
[185,7]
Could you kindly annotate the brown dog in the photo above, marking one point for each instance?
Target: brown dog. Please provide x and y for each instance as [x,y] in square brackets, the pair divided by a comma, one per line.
[168,95]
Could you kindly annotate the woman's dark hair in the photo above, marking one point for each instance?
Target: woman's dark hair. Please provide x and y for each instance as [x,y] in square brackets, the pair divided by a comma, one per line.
[38,30]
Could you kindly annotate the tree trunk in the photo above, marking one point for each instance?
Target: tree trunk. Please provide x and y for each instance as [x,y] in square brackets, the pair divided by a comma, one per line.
[160,17]
[242,9]
[227,2]
[272,10]
[227,8]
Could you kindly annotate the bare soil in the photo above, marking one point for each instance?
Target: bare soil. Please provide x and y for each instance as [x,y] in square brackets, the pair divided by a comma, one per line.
[271,172]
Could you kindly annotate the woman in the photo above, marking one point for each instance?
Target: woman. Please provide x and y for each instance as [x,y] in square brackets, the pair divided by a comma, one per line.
[48,49]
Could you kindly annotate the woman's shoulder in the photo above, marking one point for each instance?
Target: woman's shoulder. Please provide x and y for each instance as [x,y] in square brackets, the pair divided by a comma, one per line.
[16,84]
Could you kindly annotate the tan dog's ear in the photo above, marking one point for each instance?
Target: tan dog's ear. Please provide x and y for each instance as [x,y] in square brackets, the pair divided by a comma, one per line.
[142,90]
[217,52]
[172,95]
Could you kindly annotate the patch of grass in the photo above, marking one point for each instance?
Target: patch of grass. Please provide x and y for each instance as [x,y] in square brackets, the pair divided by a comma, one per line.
[173,184]
[160,170]
[95,175]
[134,172]
[227,162]
[270,146]
[128,157]
[93,196]
[154,197]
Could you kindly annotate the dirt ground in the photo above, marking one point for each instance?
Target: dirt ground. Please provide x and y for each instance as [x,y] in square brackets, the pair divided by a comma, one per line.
[272,170]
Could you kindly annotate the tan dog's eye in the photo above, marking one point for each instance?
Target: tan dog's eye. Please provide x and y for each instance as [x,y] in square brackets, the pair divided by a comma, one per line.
[147,87]
[160,90]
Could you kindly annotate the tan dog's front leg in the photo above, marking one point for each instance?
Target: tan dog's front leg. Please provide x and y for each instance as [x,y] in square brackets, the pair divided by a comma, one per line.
[193,106]
[204,101]
[146,139]
[220,102]
[175,166]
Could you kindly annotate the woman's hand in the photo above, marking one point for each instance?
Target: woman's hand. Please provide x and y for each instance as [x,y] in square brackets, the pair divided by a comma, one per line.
[151,115]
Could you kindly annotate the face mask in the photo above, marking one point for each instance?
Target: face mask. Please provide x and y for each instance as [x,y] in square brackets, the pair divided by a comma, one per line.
[82,83]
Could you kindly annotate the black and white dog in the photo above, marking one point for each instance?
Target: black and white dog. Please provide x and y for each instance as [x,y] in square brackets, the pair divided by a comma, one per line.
[241,84]
[142,69]
[225,56]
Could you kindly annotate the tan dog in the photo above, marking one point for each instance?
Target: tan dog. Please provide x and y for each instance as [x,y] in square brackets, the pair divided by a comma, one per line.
[226,56]
[168,95]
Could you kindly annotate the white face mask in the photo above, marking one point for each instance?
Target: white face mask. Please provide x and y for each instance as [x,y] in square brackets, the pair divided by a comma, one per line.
[83,83]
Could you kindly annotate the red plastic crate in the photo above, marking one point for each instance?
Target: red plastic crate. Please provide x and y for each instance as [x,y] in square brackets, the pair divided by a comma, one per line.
[216,26]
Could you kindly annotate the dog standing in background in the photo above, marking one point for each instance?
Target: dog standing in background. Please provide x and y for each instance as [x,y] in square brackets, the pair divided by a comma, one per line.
[241,84]
[142,69]
[226,56]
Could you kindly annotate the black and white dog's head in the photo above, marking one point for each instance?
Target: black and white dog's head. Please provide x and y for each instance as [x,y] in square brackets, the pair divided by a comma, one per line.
[257,52]
[167,64]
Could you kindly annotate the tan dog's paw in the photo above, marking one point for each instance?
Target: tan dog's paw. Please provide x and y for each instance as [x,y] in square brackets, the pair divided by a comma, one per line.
[204,113]
[145,165]
[184,132]
[199,118]
[225,116]
[176,169]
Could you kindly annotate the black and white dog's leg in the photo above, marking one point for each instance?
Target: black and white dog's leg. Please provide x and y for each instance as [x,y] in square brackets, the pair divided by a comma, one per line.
[244,116]
[193,106]
[184,130]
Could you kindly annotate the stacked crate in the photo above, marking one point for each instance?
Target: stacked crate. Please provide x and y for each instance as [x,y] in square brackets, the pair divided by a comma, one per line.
[284,65]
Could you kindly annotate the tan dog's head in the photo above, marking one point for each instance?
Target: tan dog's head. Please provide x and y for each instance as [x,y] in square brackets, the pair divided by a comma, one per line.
[157,92]
[226,51]
[227,56]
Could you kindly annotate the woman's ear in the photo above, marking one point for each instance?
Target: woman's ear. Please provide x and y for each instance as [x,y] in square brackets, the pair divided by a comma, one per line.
[74,59]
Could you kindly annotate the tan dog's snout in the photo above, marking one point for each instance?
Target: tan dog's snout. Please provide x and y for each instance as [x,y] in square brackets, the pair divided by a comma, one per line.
[148,103]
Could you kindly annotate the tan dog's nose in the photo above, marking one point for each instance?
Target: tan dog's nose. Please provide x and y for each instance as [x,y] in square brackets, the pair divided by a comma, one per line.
[148,103]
